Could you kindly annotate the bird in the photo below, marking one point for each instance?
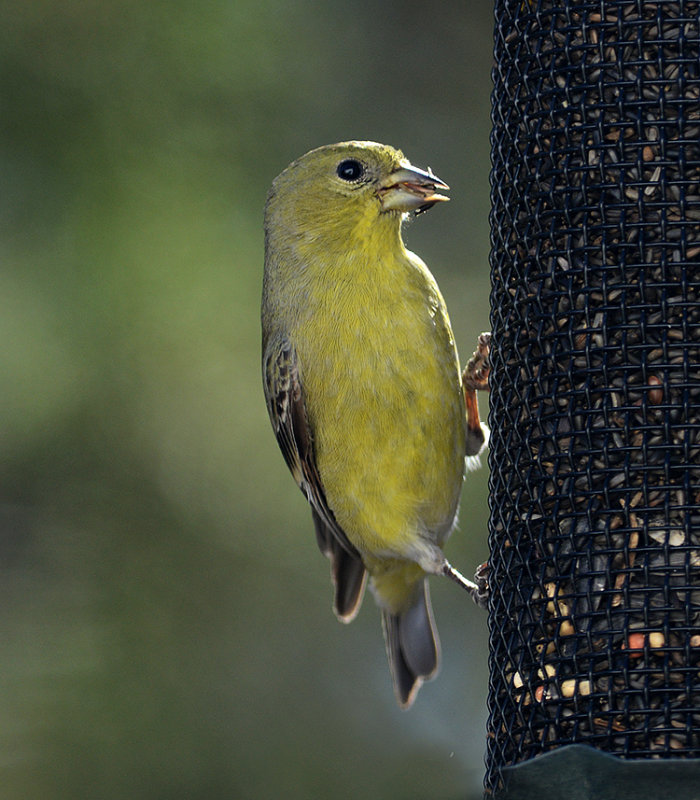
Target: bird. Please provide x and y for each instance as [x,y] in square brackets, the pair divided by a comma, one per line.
[363,387]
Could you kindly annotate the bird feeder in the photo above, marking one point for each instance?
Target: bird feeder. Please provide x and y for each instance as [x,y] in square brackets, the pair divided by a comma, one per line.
[595,401]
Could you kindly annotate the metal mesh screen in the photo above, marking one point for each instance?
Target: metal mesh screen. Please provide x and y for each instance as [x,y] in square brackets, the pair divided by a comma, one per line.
[595,400]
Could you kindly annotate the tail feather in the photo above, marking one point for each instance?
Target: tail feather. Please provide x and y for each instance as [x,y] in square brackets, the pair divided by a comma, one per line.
[412,645]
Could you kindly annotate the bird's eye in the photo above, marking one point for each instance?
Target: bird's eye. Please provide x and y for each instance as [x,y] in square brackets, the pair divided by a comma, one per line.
[350,170]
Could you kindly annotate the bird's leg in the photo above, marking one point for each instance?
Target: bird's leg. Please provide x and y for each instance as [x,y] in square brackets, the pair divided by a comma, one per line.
[476,378]
[479,591]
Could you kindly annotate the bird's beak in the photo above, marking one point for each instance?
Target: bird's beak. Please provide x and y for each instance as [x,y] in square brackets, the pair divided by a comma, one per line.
[410,189]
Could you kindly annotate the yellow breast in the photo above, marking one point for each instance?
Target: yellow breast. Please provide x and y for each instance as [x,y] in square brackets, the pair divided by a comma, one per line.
[385,406]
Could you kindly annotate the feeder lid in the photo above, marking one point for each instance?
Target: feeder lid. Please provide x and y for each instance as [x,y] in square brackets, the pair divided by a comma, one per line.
[580,772]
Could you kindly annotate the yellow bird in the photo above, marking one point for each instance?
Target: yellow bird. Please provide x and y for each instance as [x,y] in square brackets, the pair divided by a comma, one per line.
[363,386]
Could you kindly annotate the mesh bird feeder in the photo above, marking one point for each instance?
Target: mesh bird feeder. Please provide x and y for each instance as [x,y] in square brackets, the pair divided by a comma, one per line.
[595,399]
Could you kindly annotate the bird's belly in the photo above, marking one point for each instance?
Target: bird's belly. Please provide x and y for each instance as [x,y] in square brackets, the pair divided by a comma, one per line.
[389,441]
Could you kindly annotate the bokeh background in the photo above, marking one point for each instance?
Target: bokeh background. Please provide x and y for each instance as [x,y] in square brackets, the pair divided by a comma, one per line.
[165,616]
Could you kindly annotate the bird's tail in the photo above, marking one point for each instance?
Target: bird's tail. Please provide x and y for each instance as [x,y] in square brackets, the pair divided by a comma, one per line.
[412,643]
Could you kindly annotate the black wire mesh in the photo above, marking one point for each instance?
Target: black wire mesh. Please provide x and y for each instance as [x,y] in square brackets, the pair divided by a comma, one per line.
[595,401]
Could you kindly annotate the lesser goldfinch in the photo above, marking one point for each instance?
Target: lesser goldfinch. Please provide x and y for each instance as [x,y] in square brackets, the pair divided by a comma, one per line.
[363,386]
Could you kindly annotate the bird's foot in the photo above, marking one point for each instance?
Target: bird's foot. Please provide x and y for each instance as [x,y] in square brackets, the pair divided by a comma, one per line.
[481,576]
[476,374]
[479,591]
[474,378]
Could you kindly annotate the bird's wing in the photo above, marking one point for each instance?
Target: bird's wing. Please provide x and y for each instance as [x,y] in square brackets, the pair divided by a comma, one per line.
[285,405]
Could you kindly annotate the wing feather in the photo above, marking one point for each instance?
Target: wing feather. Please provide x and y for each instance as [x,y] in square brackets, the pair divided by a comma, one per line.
[287,410]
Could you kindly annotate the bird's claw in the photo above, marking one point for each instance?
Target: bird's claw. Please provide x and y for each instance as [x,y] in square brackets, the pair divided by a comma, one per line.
[476,373]
[482,592]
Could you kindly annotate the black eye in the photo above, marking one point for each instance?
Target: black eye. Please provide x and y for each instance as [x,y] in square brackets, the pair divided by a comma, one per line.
[350,170]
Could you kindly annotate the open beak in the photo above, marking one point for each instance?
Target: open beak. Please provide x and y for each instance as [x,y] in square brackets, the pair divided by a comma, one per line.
[411,189]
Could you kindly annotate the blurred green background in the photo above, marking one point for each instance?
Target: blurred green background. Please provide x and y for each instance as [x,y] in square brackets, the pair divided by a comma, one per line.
[165,616]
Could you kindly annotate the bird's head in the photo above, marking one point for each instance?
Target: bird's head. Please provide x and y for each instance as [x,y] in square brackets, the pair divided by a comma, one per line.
[351,184]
